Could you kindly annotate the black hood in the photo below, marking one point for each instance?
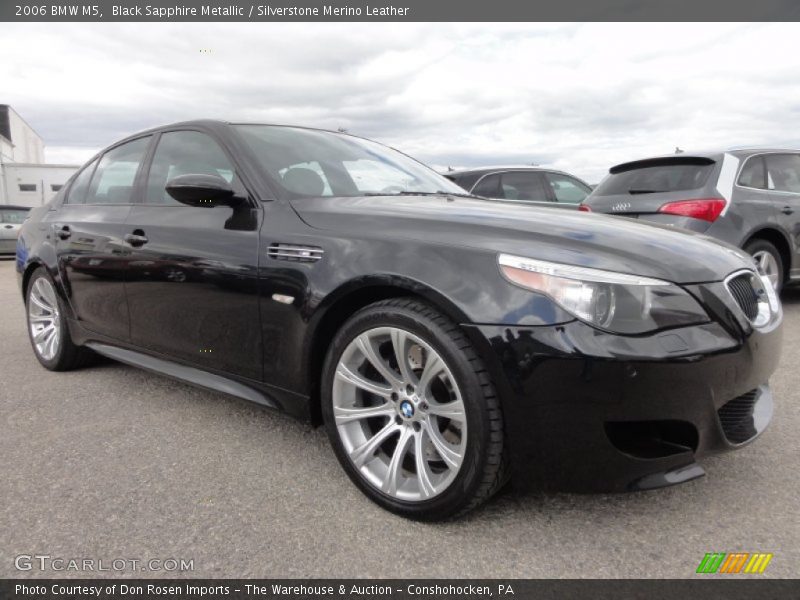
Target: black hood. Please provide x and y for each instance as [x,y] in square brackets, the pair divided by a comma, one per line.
[575,238]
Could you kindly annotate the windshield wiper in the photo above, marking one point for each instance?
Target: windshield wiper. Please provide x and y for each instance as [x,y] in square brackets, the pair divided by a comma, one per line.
[412,193]
[635,191]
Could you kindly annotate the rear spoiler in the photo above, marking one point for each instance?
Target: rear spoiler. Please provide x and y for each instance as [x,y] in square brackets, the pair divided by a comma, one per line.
[661,162]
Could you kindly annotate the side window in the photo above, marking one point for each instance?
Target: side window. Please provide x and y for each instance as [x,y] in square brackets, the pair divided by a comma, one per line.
[112,182]
[489,186]
[77,191]
[567,189]
[184,153]
[754,173]
[523,185]
[783,171]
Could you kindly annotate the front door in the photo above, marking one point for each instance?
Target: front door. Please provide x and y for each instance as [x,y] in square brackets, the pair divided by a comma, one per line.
[89,229]
[191,287]
[566,191]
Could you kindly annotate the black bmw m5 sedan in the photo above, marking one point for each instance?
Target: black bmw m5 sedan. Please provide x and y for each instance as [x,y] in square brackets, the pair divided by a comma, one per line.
[447,343]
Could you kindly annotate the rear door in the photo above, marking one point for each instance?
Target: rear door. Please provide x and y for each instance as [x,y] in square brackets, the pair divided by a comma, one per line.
[89,230]
[640,189]
[192,286]
[783,180]
[753,203]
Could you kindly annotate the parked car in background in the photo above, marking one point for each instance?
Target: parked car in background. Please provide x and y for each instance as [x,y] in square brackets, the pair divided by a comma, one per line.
[11,218]
[749,198]
[446,342]
[529,185]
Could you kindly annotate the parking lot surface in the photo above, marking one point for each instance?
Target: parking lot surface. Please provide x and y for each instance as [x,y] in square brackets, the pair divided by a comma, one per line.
[113,462]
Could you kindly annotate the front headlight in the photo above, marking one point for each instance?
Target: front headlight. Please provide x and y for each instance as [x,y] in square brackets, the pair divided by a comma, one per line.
[612,301]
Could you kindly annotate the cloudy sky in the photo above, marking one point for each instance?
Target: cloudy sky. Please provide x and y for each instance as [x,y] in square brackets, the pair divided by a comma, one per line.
[579,97]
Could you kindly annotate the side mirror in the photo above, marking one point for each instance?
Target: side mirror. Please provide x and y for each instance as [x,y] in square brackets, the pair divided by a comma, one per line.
[202,190]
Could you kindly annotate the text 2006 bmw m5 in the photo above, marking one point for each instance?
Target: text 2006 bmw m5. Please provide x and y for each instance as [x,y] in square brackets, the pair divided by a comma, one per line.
[448,343]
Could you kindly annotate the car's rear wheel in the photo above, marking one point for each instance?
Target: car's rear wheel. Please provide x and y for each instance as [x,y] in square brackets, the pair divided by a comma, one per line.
[411,412]
[47,326]
[768,261]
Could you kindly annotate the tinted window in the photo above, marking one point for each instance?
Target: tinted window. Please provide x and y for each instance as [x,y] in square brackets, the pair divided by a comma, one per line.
[13,215]
[112,182]
[567,189]
[77,191]
[345,165]
[184,153]
[489,186]
[783,171]
[754,174]
[650,177]
[523,186]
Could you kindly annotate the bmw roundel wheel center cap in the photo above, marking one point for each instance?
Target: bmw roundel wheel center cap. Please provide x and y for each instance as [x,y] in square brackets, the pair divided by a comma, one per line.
[406,408]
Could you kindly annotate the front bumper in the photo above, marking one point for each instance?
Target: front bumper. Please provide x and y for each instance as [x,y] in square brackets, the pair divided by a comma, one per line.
[589,411]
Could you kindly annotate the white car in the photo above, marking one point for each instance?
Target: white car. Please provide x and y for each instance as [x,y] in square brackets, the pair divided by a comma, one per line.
[11,217]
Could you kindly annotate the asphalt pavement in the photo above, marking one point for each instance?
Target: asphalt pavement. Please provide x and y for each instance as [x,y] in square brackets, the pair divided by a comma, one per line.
[111,462]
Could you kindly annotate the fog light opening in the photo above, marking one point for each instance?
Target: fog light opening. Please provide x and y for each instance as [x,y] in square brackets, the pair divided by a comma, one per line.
[652,439]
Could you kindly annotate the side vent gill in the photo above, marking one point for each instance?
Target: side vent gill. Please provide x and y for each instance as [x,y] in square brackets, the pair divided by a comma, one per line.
[295,253]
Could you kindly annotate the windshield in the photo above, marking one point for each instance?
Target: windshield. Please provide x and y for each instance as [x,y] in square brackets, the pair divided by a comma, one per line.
[307,163]
[649,178]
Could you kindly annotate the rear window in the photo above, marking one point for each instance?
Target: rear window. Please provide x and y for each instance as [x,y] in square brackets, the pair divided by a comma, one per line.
[651,177]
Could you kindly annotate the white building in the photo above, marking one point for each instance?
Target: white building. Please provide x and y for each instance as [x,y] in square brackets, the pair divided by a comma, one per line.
[25,179]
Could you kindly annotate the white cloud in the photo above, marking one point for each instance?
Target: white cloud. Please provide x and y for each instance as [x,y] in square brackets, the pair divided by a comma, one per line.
[580,97]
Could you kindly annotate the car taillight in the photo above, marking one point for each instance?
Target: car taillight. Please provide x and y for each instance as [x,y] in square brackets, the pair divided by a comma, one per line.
[707,209]
[584,208]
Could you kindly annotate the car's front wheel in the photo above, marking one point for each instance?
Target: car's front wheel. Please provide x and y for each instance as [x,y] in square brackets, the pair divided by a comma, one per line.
[411,412]
[47,326]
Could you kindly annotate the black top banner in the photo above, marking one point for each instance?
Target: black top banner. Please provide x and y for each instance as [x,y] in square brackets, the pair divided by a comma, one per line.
[399,10]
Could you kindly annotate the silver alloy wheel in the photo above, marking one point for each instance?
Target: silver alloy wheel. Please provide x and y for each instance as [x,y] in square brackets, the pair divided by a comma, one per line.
[399,414]
[767,265]
[43,318]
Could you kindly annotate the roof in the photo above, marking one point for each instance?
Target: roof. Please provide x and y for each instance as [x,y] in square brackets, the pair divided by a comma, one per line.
[481,171]
[713,155]
[489,169]
[5,127]
[217,123]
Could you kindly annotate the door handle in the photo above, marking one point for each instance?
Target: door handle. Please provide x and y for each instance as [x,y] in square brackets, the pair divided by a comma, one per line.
[136,239]
[64,233]
[9,226]
[787,210]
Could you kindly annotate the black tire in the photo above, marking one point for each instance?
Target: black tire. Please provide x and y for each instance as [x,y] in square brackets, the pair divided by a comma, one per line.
[754,247]
[69,355]
[484,468]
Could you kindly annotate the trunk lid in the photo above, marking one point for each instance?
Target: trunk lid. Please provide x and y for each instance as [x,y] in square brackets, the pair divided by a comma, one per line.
[644,186]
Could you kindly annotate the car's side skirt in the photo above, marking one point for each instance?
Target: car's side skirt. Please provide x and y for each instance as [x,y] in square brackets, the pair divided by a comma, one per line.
[184,373]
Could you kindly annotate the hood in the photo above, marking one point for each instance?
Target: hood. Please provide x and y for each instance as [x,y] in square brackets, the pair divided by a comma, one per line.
[575,238]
